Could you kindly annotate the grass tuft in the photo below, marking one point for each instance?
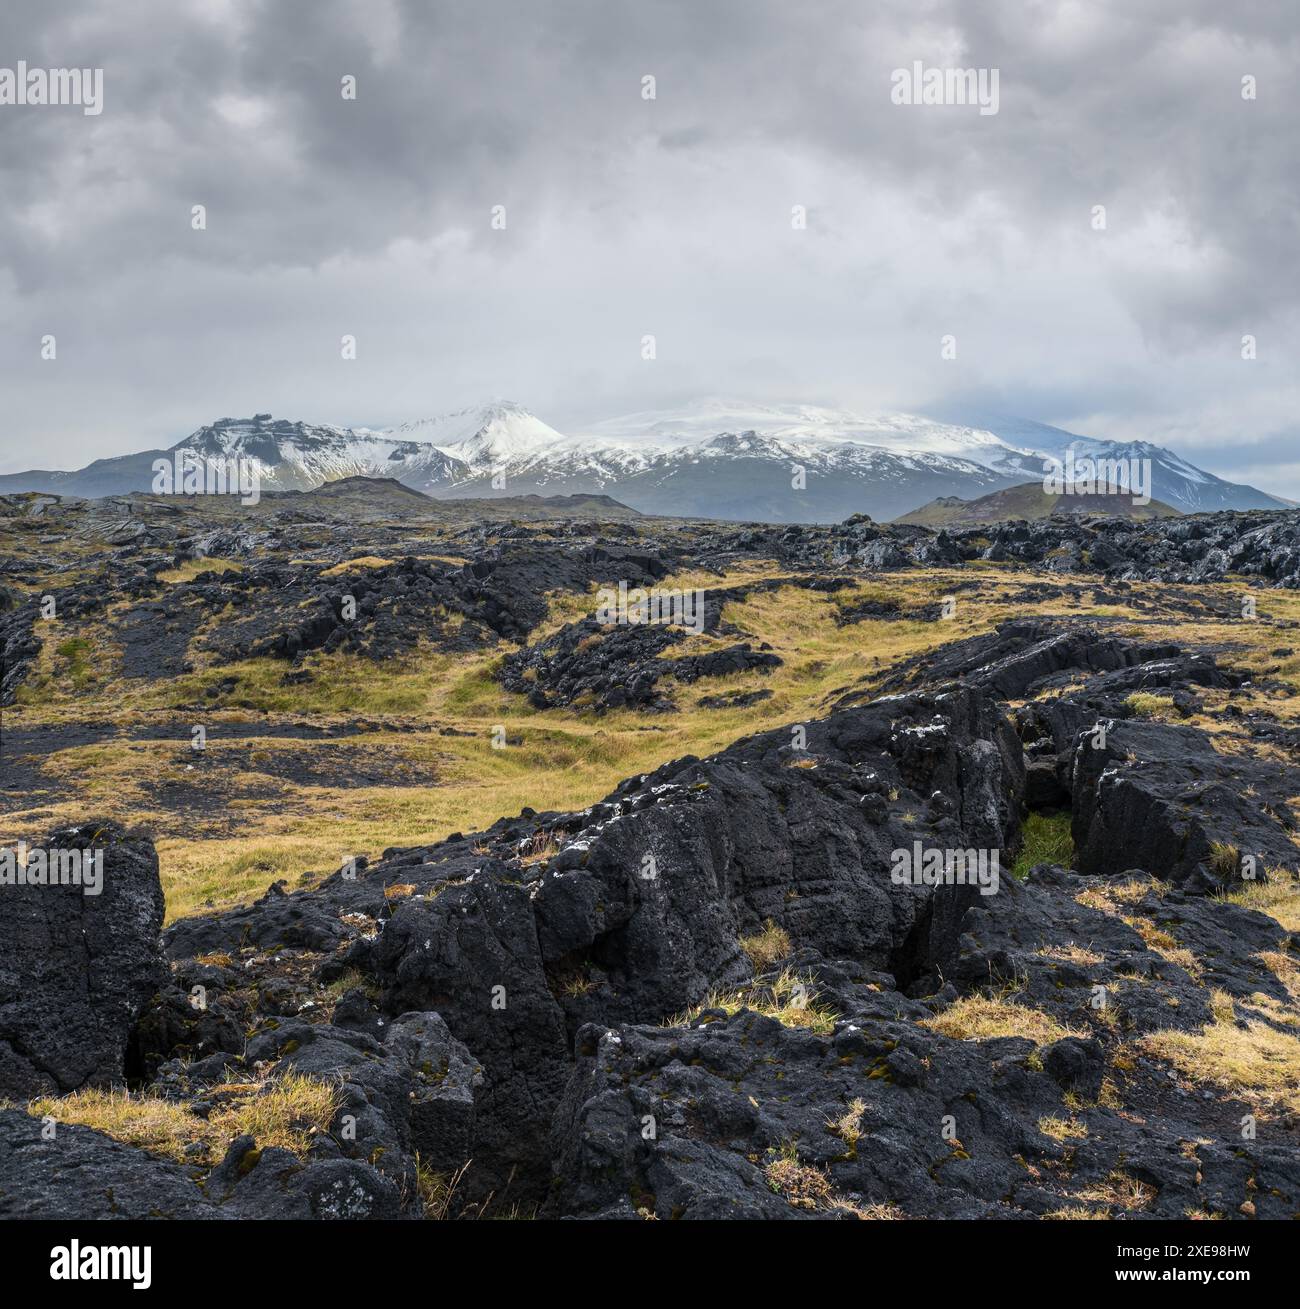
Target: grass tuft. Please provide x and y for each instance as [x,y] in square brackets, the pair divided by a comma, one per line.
[765,948]
[1045,839]
[984,1018]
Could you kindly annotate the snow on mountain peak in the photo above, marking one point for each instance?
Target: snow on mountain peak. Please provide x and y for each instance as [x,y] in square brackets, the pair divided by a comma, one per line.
[484,435]
[802,426]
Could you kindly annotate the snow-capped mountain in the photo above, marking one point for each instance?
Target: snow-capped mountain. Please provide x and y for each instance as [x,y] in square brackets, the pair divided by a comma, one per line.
[486,436]
[805,426]
[296,456]
[716,458]
[735,461]
[1173,480]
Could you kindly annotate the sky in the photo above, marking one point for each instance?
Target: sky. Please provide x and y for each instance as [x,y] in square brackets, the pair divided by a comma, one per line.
[628,215]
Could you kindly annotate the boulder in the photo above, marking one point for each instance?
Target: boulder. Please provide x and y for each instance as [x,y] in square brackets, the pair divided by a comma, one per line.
[77,969]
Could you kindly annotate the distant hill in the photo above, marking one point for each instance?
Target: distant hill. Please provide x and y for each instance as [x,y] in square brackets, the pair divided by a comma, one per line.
[1029,501]
[361,499]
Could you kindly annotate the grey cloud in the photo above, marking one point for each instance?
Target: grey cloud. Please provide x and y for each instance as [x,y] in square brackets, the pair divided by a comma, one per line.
[626,216]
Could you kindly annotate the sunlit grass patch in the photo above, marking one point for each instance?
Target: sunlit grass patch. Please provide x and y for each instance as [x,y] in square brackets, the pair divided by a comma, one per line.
[1070,954]
[982,1018]
[1111,897]
[359,563]
[1144,704]
[288,1112]
[1237,1052]
[804,1186]
[1279,897]
[848,1126]
[1161,943]
[1062,1129]
[188,569]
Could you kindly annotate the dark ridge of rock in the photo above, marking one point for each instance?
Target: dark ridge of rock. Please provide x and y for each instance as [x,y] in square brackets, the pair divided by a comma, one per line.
[740,658]
[77,970]
[472,954]
[733,699]
[608,666]
[1261,546]
[1162,798]
[81,1174]
[612,665]
[406,1090]
[1023,656]
[588,664]
[273,1183]
[889,611]
[645,901]
[736,1117]
[774,827]
[632,910]
[285,610]
[19,644]
[1030,934]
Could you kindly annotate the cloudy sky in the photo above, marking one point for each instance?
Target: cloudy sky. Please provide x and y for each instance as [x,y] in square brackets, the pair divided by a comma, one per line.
[627,216]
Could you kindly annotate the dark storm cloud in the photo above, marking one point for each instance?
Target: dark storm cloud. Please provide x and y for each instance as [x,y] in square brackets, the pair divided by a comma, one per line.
[627,215]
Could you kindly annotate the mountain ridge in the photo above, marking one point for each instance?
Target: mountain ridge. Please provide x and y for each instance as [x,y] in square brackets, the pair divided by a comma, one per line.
[718,458]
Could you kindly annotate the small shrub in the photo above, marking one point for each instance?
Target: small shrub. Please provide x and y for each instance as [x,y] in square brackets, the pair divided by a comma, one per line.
[801,1185]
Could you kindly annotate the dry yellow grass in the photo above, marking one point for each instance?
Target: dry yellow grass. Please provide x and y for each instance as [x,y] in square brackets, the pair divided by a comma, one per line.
[287,1113]
[1120,1190]
[804,1186]
[1238,1052]
[766,947]
[790,999]
[848,1126]
[1108,897]
[191,568]
[352,565]
[982,1018]
[565,759]
[1279,898]
[1062,1129]
[1145,705]
[1161,943]
[1070,954]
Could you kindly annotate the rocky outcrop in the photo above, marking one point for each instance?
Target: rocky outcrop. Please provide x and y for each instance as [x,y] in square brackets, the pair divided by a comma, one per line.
[82,1174]
[77,969]
[710,994]
[1162,798]
[386,610]
[19,644]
